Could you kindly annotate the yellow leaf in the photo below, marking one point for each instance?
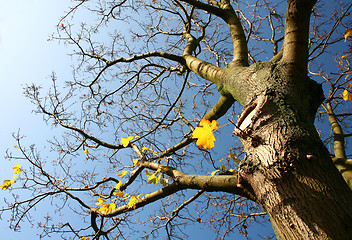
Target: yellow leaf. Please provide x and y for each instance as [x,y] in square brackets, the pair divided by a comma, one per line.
[135,161]
[84,238]
[126,141]
[152,179]
[223,168]
[164,181]
[103,208]
[118,193]
[17,169]
[86,151]
[14,176]
[348,34]
[112,206]
[132,202]
[100,201]
[118,185]
[146,149]
[340,62]
[346,95]
[214,172]
[122,174]
[6,184]
[204,134]
[107,207]
[16,147]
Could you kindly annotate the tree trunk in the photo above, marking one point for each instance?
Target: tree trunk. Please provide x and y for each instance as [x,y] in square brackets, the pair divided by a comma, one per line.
[287,167]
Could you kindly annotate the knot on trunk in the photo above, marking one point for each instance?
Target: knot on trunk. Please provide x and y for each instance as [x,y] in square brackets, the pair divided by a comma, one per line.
[252,117]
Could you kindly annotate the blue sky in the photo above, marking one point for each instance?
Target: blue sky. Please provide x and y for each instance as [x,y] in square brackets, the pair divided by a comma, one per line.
[26,57]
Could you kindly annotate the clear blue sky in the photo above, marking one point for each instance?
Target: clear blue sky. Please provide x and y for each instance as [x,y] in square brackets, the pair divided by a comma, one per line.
[25,57]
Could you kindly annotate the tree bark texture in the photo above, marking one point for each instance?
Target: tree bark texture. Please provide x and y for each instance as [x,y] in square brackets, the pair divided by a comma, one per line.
[287,168]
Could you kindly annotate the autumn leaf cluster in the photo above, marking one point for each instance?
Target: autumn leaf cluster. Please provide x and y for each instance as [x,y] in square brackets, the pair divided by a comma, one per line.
[8,182]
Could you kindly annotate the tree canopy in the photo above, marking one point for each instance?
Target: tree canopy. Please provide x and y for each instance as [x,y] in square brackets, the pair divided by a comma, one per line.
[153,138]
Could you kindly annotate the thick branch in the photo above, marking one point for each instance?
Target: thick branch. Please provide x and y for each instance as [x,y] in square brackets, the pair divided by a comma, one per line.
[219,183]
[339,160]
[206,7]
[220,108]
[297,32]
[204,69]
[339,140]
[227,13]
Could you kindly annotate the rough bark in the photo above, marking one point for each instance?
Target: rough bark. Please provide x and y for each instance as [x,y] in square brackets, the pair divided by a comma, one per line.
[287,168]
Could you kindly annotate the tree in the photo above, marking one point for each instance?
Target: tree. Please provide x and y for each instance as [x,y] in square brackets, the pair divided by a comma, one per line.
[137,86]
